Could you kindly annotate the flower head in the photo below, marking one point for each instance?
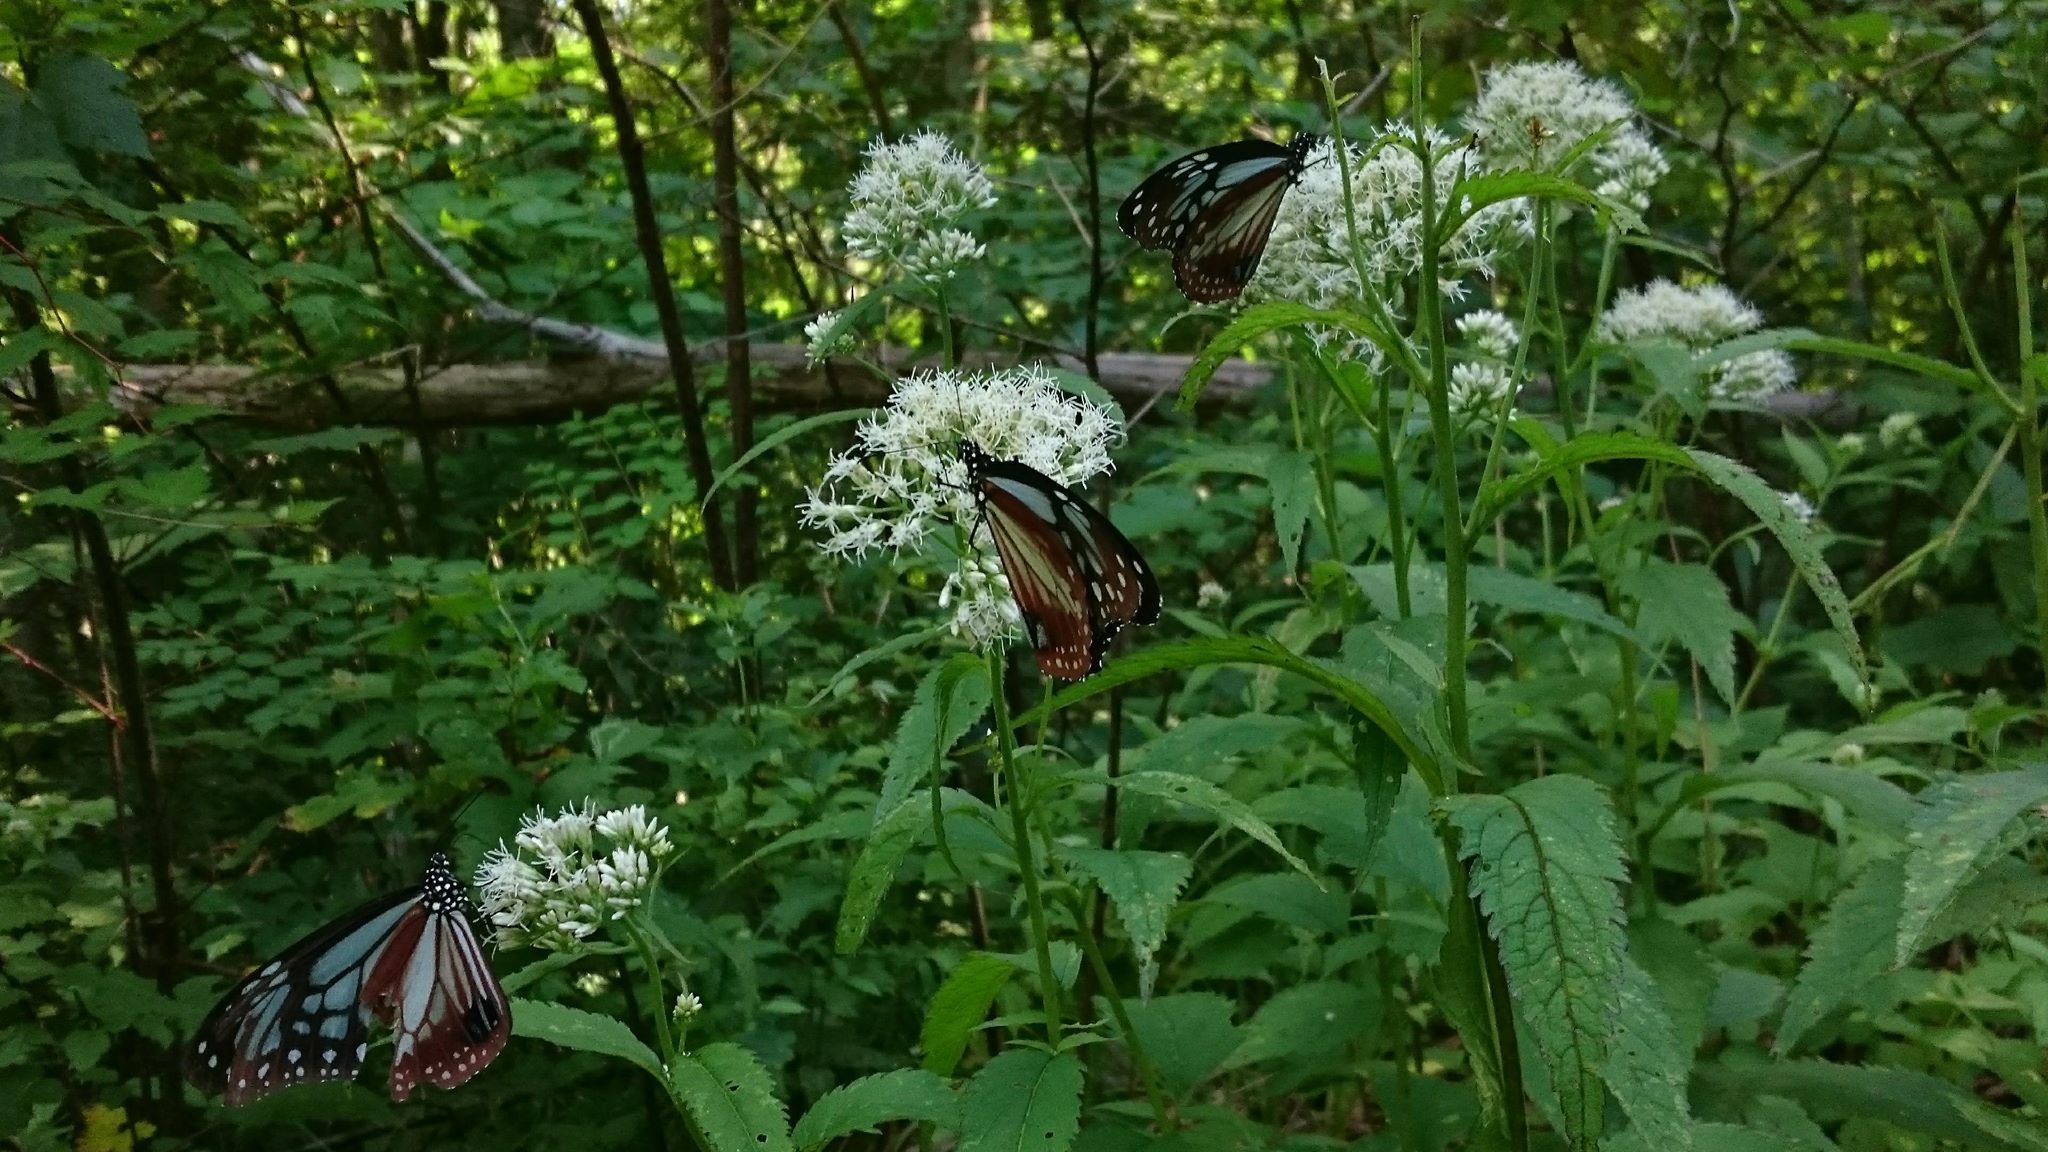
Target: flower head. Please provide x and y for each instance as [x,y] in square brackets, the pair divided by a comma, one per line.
[1901,430]
[908,197]
[1533,115]
[1699,318]
[903,478]
[821,342]
[1798,507]
[567,875]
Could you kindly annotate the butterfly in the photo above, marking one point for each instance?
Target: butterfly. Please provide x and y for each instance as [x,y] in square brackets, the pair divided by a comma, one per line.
[1215,209]
[1076,578]
[409,958]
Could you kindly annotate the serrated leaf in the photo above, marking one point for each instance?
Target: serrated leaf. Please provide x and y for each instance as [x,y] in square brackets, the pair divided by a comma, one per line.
[1850,948]
[1186,1036]
[881,856]
[1291,479]
[1141,886]
[1796,536]
[1688,605]
[871,1101]
[1912,1101]
[1647,1067]
[82,97]
[1024,1100]
[959,1007]
[583,1031]
[616,738]
[1308,1020]
[1285,897]
[1545,866]
[731,1098]
[949,700]
[1513,592]
[1257,321]
[1956,831]
[1198,793]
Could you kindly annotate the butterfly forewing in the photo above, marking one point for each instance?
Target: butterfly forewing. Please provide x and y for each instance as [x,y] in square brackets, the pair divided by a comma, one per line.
[1075,577]
[409,958]
[1215,209]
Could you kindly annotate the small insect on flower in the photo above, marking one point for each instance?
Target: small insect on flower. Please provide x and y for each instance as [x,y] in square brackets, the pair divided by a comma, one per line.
[1214,210]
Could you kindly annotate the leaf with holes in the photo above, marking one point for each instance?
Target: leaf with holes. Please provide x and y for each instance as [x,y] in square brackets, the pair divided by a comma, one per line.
[871,1101]
[1142,886]
[731,1099]
[1025,1100]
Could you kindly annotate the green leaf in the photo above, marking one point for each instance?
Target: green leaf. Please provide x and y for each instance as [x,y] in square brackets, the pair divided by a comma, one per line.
[871,1101]
[1186,1036]
[777,439]
[1847,952]
[1214,650]
[1308,1020]
[1291,477]
[172,490]
[1687,604]
[732,1100]
[583,1031]
[1801,545]
[891,647]
[617,738]
[1912,1101]
[82,97]
[1803,340]
[1257,321]
[1287,898]
[1024,1100]
[345,439]
[893,838]
[1554,459]
[1142,886]
[1647,1066]
[1957,831]
[1546,865]
[949,700]
[1514,592]
[959,1007]
[1198,793]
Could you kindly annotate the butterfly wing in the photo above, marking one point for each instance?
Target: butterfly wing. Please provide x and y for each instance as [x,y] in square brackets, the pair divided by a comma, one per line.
[1227,243]
[300,1018]
[1075,577]
[448,1014]
[1164,210]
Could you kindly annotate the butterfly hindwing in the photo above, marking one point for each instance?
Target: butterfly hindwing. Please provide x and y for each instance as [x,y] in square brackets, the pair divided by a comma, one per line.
[1076,579]
[1215,209]
[409,958]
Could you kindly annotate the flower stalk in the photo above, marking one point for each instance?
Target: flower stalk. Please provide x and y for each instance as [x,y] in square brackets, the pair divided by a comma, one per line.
[1018,798]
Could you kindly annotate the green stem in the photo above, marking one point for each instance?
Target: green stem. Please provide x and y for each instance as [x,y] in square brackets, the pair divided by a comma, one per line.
[1397,511]
[1162,1109]
[1018,799]
[2029,423]
[659,1010]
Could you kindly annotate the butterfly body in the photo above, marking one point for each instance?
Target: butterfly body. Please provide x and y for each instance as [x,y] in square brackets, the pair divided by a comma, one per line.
[1076,578]
[410,959]
[1214,210]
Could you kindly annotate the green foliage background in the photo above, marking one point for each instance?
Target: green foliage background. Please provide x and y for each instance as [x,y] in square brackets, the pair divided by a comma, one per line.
[1803,916]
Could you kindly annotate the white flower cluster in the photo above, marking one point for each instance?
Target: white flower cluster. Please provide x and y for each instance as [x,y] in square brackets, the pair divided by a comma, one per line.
[903,478]
[1532,115]
[565,876]
[1308,258]
[1699,318]
[821,343]
[1479,384]
[1798,507]
[907,200]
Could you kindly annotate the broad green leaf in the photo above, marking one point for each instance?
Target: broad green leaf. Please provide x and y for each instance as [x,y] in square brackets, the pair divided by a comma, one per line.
[903,642]
[1647,1067]
[1291,479]
[1884,806]
[82,96]
[731,1099]
[1546,867]
[1554,459]
[959,1007]
[1024,1100]
[1796,537]
[583,1031]
[949,700]
[1514,592]
[893,838]
[1214,650]
[777,439]
[1958,830]
[1380,770]
[1688,605]
[170,490]
[617,738]
[1186,1036]
[1142,886]
[1198,793]
[871,1101]
[1288,898]
[1200,743]
[1307,1020]
[1257,321]
[1848,951]
[1910,1101]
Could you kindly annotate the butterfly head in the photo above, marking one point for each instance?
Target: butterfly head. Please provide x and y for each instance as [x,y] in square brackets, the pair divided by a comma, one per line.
[975,457]
[441,889]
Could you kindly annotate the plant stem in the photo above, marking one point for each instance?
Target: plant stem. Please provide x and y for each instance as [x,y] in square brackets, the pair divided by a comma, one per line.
[2030,435]
[1397,511]
[1162,1110]
[1017,797]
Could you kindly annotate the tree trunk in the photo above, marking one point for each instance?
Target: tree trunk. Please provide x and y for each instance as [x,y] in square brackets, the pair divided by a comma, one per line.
[522,33]
[732,260]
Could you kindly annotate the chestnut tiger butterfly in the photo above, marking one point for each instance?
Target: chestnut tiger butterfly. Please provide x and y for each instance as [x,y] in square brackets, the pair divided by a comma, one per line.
[408,958]
[1215,210]
[1077,580]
